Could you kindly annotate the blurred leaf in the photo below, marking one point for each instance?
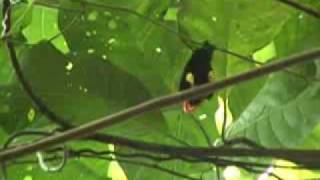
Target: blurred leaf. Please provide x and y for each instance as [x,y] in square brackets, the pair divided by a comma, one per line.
[14,107]
[311,141]
[293,174]
[184,128]
[283,108]
[3,136]
[44,26]
[283,113]
[300,32]
[5,66]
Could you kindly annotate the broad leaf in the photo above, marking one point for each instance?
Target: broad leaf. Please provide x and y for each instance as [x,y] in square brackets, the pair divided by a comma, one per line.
[285,107]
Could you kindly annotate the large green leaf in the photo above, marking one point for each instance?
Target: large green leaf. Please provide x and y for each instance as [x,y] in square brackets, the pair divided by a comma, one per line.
[241,26]
[301,32]
[69,84]
[111,58]
[149,52]
[282,114]
[13,115]
[285,107]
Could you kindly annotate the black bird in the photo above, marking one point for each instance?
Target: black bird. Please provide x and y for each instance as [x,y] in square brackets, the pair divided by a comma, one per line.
[197,72]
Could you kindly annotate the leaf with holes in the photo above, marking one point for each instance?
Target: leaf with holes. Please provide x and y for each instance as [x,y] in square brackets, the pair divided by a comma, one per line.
[143,49]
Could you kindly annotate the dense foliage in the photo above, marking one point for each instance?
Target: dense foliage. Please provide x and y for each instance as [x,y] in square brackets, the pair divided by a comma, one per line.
[91,58]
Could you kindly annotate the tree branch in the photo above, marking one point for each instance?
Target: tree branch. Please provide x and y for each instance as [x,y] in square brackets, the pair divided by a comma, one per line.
[165,101]
[42,107]
[309,10]
[90,128]
[145,164]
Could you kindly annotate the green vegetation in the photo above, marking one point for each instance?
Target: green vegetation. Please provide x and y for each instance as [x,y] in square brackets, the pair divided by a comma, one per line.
[87,59]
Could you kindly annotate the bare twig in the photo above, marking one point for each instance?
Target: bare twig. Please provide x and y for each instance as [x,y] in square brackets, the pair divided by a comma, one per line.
[308,10]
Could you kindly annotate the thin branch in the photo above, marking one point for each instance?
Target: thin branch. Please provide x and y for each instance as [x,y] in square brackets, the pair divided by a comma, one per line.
[28,89]
[114,8]
[6,12]
[165,101]
[253,170]
[156,23]
[103,155]
[252,61]
[218,161]
[24,133]
[207,137]
[171,150]
[145,156]
[125,155]
[90,128]
[307,9]
[202,129]
[242,141]
[224,123]
[40,105]
[148,165]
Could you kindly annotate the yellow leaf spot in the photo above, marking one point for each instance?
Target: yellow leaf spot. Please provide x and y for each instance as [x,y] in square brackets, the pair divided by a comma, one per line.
[31,115]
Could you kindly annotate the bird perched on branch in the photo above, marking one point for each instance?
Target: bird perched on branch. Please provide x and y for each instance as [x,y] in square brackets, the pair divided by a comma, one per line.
[197,72]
